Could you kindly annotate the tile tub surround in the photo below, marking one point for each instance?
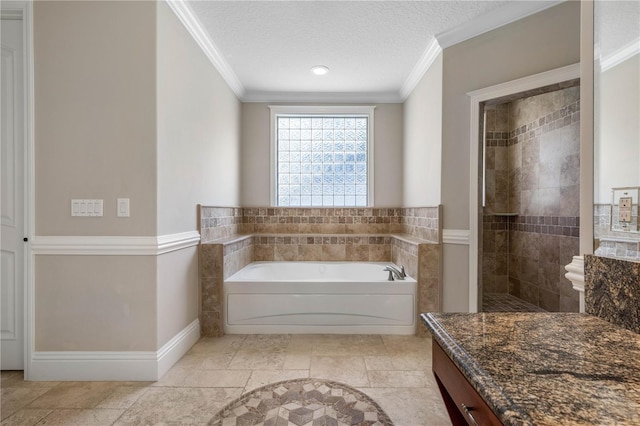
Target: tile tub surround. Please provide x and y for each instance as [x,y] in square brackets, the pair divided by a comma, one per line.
[414,244]
[546,368]
[322,247]
[393,370]
[421,222]
[218,262]
[218,222]
[612,290]
[424,262]
[530,219]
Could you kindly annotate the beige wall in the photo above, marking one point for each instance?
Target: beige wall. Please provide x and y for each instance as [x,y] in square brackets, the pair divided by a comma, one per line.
[95,135]
[95,115]
[198,161]
[617,147]
[95,303]
[256,145]
[103,72]
[541,42]
[422,116]
[177,292]
[198,130]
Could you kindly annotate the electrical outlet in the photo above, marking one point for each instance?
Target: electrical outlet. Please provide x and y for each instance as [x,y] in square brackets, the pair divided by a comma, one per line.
[624,209]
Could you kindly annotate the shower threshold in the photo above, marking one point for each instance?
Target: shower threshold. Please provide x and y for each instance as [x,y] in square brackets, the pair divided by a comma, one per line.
[503,302]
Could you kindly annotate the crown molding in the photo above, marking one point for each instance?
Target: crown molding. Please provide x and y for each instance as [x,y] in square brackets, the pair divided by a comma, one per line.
[497,18]
[113,245]
[422,66]
[490,21]
[193,25]
[322,97]
[619,56]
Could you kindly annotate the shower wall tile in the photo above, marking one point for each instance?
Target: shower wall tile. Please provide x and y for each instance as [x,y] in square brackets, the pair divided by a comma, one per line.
[545,234]
[496,159]
[495,246]
[542,187]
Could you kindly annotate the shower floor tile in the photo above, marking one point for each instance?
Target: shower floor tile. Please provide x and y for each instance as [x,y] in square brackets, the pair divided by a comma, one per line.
[502,302]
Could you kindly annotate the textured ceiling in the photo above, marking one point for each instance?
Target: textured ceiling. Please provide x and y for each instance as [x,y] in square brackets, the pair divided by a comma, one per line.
[370,47]
[617,24]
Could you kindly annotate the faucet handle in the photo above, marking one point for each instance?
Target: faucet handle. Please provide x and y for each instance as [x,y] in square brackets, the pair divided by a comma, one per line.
[402,271]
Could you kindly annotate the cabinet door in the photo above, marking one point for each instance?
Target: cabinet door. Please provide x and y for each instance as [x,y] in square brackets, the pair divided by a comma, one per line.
[464,404]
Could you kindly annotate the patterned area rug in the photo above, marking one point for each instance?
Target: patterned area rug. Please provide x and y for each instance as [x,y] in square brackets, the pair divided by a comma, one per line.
[303,402]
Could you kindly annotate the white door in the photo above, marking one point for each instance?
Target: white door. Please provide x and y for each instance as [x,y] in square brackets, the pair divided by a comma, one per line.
[12,197]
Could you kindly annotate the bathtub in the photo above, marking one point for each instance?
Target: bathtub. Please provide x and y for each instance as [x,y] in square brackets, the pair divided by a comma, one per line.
[318,297]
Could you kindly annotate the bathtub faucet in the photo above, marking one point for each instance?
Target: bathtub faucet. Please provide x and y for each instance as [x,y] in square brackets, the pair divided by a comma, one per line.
[393,271]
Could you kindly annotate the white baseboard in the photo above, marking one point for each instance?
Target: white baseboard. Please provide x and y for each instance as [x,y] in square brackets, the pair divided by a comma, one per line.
[175,348]
[113,366]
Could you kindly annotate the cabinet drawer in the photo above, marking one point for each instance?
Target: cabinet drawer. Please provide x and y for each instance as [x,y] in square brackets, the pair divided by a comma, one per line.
[464,404]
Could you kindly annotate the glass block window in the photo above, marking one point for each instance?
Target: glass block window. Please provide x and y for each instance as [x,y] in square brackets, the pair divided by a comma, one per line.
[322,160]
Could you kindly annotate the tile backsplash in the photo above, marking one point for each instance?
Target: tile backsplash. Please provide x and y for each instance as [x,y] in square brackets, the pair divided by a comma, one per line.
[611,243]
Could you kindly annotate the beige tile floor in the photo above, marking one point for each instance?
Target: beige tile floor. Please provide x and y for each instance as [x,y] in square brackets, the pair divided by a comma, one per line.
[394,370]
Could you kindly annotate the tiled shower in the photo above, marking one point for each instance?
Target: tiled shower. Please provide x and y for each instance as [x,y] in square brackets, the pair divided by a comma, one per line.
[531,198]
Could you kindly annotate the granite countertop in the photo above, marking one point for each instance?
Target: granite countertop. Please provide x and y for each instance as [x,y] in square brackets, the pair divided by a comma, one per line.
[546,368]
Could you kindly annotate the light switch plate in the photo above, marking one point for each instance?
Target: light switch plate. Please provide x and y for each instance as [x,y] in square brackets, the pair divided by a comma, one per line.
[86,207]
[123,207]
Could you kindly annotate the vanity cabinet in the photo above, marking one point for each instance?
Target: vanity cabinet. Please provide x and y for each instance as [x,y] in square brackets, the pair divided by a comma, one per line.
[463,403]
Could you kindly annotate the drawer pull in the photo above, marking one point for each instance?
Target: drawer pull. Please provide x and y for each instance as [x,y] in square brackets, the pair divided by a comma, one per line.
[467,411]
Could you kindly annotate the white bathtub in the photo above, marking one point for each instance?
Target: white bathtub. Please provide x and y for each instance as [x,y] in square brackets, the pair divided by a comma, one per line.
[318,297]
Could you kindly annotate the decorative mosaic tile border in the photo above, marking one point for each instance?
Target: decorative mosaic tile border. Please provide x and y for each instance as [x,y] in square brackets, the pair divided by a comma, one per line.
[554,120]
[552,225]
[320,239]
[494,139]
[568,226]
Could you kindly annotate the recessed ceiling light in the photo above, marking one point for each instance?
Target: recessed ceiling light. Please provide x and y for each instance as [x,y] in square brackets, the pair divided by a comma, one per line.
[319,70]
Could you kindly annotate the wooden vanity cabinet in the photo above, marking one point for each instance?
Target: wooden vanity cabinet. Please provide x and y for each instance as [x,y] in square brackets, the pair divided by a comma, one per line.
[464,404]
